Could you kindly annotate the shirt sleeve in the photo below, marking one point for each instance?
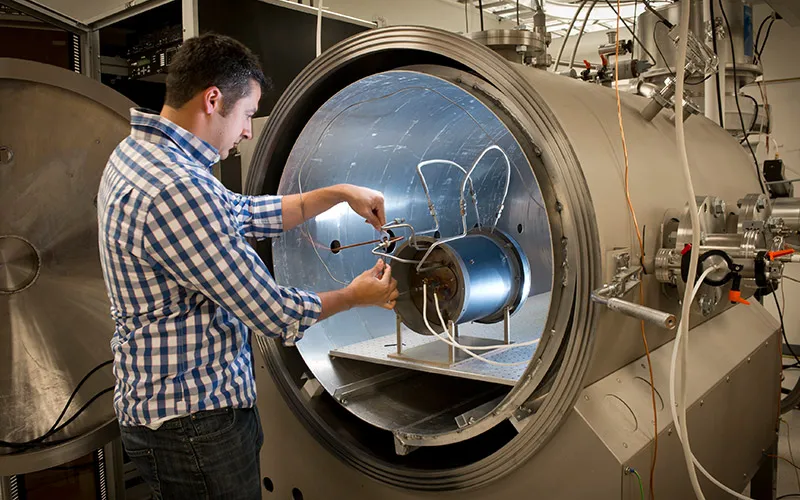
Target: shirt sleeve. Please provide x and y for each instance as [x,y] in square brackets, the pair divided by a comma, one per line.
[191,234]
[259,217]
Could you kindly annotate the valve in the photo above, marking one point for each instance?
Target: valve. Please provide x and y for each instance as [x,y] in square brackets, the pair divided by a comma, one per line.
[735,294]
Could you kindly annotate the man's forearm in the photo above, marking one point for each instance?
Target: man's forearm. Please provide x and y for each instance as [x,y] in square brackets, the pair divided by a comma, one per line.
[313,203]
[334,302]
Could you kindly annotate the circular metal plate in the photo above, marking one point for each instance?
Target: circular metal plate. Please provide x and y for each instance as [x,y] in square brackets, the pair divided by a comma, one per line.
[54,313]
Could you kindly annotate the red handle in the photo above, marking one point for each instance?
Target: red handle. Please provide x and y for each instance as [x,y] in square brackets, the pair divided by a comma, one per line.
[735,297]
[780,253]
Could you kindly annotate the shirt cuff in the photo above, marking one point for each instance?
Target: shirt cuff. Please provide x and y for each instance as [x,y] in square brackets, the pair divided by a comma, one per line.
[312,308]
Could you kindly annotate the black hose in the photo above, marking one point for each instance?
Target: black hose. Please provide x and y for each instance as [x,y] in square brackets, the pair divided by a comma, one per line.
[658,14]
[760,51]
[716,53]
[480,7]
[736,97]
[760,27]
[793,398]
[56,427]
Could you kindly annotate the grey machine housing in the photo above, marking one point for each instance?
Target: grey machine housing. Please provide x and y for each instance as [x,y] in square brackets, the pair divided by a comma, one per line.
[579,414]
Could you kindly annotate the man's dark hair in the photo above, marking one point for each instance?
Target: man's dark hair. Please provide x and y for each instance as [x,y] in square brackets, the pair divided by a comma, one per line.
[212,60]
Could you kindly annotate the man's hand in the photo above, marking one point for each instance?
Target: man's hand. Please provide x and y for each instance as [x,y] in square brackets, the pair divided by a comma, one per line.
[374,287]
[367,203]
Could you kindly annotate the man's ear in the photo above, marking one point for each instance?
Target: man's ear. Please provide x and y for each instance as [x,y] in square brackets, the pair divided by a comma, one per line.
[212,100]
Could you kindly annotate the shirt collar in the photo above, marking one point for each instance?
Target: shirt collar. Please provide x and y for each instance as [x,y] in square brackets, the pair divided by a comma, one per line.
[150,126]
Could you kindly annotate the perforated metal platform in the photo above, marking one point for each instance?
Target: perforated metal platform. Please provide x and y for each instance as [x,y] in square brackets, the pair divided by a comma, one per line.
[426,352]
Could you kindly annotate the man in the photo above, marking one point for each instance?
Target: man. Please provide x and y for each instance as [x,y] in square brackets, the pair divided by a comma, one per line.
[187,290]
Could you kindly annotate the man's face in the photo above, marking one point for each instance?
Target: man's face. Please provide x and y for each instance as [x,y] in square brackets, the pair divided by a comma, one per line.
[237,125]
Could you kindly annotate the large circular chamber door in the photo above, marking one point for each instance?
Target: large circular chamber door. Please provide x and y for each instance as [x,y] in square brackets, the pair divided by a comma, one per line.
[57,130]
[503,244]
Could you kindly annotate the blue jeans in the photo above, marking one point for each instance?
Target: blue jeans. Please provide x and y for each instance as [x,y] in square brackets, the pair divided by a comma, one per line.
[209,454]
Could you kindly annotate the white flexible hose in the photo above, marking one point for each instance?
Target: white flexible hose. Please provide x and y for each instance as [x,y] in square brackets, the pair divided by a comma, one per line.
[319,27]
[447,340]
[695,219]
[688,296]
[462,203]
[680,424]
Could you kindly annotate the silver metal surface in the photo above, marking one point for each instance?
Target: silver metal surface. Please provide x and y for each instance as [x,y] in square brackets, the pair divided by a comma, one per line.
[787,209]
[423,353]
[577,268]
[374,133]
[19,264]
[569,134]
[474,278]
[734,360]
[517,45]
[55,326]
[638,311]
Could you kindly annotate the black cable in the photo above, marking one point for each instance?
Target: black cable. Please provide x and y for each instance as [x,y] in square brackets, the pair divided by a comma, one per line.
[480,7]
[783,328]
[736,96]
[755,117]
[658,14]
[38,441]
[764,43]
[716,53]
[517,12]
[633,33]
[54,428]
[760,27]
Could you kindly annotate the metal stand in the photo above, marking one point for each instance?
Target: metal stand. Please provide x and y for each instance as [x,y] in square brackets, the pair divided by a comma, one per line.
[434,352]
[110,478]
[764,484]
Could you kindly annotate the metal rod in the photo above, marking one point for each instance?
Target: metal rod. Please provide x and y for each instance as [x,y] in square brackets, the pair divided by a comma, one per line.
[451,351]
[370,242]
[506,326]
[638,311]
[796,179]
[399,324]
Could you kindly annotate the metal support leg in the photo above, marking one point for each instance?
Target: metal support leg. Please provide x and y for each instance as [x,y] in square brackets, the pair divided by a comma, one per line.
[399,325]
[9,489]
[763,486]
[115,479]
[451,352]
[506,326]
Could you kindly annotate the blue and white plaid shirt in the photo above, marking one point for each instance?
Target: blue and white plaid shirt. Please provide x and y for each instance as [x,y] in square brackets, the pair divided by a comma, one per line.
[185,287]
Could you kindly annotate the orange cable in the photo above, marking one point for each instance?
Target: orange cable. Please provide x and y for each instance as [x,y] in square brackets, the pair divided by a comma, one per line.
[641,250]
[785,460]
